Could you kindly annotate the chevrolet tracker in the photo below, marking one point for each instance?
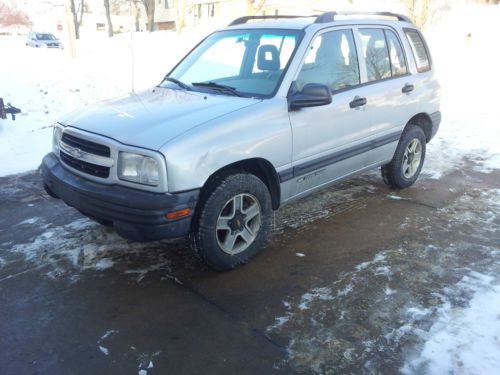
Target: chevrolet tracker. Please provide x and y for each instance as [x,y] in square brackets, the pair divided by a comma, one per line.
[257,115]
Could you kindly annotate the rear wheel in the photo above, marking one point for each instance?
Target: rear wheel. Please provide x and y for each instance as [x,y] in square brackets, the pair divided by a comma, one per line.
[408,159]
[233,222]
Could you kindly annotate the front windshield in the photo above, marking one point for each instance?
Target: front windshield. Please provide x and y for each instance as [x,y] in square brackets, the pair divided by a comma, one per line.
[45,37]
[251,62]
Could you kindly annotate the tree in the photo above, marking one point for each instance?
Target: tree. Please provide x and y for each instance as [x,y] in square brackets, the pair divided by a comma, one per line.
[108,16]
[75,19]
[424,12]
[80,10]
[137,15]
[149,7]
[254,6]
[180,14]
[10,15]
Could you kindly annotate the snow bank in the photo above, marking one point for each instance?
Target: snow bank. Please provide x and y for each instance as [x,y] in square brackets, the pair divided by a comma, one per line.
[46,84]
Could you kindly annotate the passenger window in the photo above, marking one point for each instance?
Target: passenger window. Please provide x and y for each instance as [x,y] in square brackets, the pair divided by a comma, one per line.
[396,54]
[376,54]
[331,60]
[419,50]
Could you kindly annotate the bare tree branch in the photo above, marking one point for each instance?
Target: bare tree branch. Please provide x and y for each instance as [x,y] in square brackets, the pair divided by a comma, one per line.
[253,7]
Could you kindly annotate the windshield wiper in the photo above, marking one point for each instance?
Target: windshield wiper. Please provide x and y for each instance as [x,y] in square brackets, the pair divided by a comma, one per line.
[217,86]
[177,82]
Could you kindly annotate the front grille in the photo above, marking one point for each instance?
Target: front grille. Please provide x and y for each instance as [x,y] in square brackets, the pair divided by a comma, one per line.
[87,146]
[83,166]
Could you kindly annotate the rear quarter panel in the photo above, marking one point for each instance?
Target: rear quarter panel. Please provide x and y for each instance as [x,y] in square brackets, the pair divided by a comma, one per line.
[427,88]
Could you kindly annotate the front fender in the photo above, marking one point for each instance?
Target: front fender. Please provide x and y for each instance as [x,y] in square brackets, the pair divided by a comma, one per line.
[259,131]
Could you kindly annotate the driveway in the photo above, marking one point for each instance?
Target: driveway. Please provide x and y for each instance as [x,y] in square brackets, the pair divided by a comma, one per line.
[354,280]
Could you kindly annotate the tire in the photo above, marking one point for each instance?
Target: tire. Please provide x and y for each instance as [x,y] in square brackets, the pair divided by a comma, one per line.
[233,222]
[400,173]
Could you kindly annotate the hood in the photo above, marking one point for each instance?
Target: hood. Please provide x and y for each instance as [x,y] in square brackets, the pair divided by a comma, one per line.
[152,118]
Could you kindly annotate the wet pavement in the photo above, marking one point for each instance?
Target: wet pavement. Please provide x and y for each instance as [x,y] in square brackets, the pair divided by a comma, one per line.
[351,282]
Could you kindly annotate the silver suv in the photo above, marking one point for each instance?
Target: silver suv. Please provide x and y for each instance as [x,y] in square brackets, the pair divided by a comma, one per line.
[256,116]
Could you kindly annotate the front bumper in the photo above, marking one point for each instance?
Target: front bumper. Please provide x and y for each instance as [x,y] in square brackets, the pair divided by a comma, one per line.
[136,215]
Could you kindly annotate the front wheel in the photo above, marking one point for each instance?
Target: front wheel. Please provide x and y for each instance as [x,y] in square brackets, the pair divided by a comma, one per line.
[407,161]
[233,223]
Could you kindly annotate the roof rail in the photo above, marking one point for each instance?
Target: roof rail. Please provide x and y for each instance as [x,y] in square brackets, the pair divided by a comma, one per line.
[245,19]
[330,16]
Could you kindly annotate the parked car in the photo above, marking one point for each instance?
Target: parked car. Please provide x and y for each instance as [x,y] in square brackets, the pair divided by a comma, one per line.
[257,115]
[46,40]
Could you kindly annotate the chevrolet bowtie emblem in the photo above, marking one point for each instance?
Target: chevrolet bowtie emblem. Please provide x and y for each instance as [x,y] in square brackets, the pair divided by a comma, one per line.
[73,151]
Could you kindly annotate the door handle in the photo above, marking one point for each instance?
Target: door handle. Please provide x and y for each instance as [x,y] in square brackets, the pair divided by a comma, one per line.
[407,88]
[357,102]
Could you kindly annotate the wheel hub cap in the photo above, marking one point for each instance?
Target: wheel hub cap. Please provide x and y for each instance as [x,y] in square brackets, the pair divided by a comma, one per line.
[412,158]
[238,223]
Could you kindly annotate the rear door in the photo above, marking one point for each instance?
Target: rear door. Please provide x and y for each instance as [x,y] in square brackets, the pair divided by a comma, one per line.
[328,140]
[389,89]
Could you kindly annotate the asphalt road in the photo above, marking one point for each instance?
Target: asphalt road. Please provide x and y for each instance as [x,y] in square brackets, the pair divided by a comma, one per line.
[341,268]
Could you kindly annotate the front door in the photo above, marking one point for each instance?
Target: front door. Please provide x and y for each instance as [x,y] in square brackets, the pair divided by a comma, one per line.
[330,141]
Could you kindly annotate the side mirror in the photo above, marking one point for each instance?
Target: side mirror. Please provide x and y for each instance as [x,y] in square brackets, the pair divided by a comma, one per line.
[312,95]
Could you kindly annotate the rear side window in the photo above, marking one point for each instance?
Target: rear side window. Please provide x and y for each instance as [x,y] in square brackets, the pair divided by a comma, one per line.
[398,61]
[419,50]
[378,63]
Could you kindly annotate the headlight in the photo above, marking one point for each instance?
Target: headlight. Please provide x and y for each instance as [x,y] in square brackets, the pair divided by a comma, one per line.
[56,139]
[138,168]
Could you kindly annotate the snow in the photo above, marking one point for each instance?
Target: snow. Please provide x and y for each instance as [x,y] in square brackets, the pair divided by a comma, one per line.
[29,221]
[468,73]
[464,340]
[83,245]
[395,197]
[427,307]
[104,350]
[108,334]
[46,84]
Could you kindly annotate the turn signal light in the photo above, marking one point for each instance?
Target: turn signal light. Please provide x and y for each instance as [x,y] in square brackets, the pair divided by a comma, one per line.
[179,213]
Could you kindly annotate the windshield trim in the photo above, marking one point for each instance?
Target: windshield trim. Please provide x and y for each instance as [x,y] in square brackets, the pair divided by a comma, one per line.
[300,36]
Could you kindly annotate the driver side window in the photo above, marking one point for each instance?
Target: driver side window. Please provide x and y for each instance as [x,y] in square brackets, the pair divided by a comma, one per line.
[331,60]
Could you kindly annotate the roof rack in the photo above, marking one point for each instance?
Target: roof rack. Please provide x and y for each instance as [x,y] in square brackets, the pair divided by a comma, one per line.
[245,19]
[330,16]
